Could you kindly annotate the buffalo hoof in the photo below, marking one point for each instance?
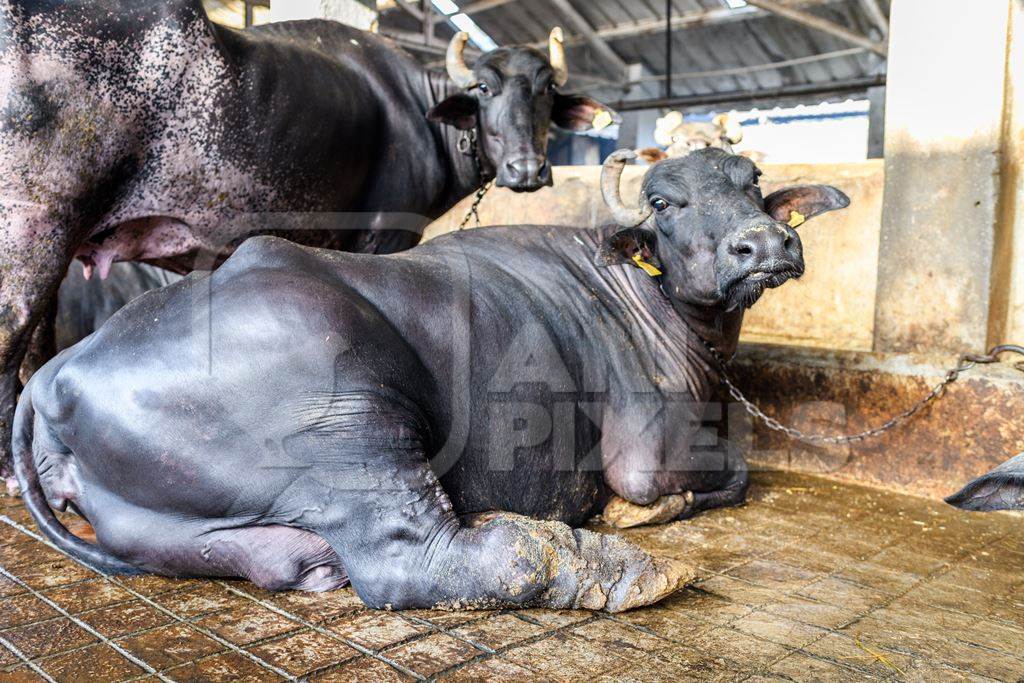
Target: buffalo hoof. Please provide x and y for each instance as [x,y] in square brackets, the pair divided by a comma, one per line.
[566,568]
[625,577]
[622,514]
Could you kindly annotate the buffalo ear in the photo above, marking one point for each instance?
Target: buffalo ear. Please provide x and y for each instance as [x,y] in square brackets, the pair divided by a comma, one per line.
[458,110]
[652,155]
[620,246]
[1000,489]
[579,113]
[807,200]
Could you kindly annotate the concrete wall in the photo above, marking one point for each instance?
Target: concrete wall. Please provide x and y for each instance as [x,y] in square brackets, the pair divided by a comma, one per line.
[944,131]
[972,429]
[1008,280]
[831,307]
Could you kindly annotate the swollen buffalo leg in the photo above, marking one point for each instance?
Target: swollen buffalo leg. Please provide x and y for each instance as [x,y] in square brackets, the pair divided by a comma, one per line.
[386,514]
[505,561]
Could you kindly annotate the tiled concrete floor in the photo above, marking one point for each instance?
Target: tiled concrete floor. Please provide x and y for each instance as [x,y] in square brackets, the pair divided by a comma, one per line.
[809,581]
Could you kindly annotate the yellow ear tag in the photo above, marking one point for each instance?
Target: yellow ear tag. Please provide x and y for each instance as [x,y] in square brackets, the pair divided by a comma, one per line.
[645,266]
[796,219]
[602,119]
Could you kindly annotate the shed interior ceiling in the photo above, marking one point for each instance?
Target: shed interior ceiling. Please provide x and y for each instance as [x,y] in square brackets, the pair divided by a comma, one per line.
[618,48]
[716,50]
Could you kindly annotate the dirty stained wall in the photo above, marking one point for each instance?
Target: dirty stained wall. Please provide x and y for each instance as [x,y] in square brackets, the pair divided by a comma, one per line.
[1007,324]
[943,144]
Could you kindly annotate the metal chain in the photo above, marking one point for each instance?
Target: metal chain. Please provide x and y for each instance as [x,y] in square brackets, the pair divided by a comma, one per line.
[467,145]
[967,361]
[474,209]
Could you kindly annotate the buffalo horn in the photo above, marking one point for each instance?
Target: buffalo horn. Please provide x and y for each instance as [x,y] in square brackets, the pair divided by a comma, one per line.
[556,51]
[456,62]
[610,177]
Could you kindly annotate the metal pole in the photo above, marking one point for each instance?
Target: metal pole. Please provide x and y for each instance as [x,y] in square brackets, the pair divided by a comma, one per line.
[428,23]
[248,13]
[857,85]
[881,21]
[668,49]
[816,22]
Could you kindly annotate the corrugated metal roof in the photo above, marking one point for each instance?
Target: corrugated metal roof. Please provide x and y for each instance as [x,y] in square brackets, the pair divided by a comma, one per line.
[718,54]
[719,51]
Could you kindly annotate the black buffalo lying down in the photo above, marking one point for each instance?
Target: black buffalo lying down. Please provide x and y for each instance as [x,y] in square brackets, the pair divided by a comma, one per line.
[84,304]
[303,418]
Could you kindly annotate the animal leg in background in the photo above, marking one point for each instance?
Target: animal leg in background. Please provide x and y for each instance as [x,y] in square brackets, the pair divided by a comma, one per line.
[43,344]
[34,258]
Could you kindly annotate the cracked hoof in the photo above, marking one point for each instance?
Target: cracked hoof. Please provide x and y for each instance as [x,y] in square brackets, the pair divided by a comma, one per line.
[638,579]
[581,569]
[622,514]
[608,573]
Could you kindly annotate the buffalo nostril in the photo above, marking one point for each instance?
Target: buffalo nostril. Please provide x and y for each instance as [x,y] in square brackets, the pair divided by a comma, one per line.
[743,249]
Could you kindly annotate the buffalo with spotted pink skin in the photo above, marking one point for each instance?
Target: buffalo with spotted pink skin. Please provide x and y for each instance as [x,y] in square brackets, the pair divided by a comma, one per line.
[139,130]
[303,418]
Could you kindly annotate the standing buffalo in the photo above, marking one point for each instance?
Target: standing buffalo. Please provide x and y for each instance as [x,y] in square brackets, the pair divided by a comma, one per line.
[304,418]
[139,130]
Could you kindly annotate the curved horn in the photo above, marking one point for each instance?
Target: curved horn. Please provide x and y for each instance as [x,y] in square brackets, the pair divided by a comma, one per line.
[456,62]
[611,174]
[556,52]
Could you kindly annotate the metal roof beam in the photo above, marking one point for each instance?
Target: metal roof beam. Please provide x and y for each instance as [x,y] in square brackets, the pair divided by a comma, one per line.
[813,21]
[878,18]
[754,68]
[687,20]
[410,9]
[482,6]
[857,85]
[413,42]
[472,8]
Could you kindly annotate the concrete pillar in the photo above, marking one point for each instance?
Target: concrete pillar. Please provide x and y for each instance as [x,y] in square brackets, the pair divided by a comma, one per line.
[647,121]
[348,12]
[943,139]
[586,151]
[1008,290]
[876,123]
[629,129]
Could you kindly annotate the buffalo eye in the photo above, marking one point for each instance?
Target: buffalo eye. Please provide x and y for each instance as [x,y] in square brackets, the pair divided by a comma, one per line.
[484,88]
[658,204]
